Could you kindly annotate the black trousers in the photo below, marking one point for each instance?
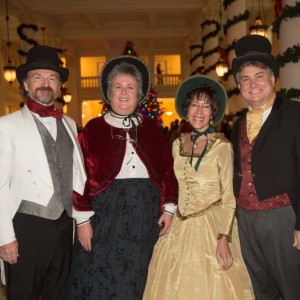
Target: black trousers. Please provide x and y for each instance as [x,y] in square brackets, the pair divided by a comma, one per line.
[273,263]
[43,265]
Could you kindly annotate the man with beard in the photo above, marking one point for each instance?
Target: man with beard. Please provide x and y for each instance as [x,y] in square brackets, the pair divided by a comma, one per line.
[41,164]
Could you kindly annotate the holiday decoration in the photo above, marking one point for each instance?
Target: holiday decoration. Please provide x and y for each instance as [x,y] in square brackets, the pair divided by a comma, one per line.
[151,107]
[291,54]
[128,50]
[30,41]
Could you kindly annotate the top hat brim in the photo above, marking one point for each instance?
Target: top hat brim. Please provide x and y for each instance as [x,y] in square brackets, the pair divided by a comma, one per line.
[22,70]
[195,81]
[134,60]
[265,58]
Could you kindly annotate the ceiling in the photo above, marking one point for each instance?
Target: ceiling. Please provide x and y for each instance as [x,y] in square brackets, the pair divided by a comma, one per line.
[97,27]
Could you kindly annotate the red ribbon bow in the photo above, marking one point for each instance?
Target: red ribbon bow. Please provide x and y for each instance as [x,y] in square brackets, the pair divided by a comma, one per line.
[43,110]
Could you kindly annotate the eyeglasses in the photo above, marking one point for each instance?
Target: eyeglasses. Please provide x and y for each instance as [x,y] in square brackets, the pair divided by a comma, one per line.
[196,106]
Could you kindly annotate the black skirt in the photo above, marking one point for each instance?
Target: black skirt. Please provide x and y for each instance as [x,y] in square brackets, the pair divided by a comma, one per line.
[125,230]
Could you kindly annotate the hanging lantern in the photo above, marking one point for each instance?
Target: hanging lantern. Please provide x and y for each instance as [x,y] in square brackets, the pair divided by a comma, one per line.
[9,69]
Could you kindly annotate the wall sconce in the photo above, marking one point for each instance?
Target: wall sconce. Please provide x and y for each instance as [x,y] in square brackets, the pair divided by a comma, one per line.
[67,96]
[9,69]
[259,28]
[222,65]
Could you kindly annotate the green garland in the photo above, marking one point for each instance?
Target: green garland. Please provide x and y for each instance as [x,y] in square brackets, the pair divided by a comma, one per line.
[212,33]
[290,55]
[226,75]
[288,12]
[198,54]
[236,20]
[211,52]
[226,3]
[210,68]
[232,92]
[290,93]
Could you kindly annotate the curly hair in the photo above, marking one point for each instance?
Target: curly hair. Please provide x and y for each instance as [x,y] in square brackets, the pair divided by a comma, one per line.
[202,92]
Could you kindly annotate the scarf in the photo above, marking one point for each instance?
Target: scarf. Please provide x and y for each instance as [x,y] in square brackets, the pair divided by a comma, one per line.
[194,138]
[255,120]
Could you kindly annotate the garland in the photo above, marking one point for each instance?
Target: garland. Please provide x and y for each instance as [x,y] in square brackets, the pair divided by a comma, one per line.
[230,46]
[236,20]
[195,57]
[210,68]
[288,12]
[290,55]
[198,54]
[290,93]
[212,33]
[211,52]
[30,41]
[23,37]
[226,3]
[232,92]
[199,70]
[226,75]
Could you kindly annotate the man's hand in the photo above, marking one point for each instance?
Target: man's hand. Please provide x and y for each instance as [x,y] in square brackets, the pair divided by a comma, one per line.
[164,222]
[9,252]
[85,234]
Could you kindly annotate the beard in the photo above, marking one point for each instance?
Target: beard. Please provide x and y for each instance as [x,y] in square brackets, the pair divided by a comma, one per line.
[43,95]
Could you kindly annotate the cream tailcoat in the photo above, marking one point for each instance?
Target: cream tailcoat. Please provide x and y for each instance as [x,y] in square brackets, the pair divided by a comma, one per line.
[24,170]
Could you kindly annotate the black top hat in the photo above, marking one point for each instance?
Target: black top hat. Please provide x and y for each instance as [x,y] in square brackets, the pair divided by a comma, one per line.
[42,57]
[254,48]
[133,60]
[195,81]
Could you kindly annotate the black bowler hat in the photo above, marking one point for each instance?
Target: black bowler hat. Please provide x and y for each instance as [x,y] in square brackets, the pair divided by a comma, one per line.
[254,48]
[130,59]
[42,57]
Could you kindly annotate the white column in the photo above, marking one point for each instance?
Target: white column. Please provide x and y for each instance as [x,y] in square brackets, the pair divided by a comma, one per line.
[288,37]
[234,33]
[209,44]
[196,58]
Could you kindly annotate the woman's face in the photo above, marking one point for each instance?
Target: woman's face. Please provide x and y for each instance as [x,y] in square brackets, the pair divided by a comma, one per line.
[124,94]
[199,113]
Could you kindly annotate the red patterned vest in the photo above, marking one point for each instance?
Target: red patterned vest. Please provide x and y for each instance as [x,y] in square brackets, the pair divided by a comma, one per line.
[248,198]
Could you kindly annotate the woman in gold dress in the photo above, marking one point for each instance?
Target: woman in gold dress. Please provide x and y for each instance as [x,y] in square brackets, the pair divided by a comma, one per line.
[200,257]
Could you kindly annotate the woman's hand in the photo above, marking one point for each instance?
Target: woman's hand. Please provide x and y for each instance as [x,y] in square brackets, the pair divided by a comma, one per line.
[297,239]
[223,254]
[164,222]
[85,234]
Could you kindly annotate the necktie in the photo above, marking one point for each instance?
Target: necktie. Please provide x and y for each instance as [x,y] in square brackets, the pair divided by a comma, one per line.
[255,120]
[43,110]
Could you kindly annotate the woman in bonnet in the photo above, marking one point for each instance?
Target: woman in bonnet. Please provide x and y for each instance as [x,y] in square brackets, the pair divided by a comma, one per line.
[131,192]
[200,258]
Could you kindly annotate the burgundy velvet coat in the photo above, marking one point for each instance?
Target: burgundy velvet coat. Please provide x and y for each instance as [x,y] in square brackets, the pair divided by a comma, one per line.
[104,155]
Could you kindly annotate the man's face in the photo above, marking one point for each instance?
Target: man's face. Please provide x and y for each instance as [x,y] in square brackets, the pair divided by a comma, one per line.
[256,86]
[43,85]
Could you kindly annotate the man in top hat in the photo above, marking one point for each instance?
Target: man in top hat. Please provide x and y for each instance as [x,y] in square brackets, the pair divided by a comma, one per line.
[266,145]
[41,164]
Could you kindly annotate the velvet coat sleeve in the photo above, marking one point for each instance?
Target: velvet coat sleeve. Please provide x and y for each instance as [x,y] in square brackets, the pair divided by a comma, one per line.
[103,157]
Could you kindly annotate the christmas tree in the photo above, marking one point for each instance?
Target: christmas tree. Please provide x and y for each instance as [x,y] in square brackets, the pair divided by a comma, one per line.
[150,107]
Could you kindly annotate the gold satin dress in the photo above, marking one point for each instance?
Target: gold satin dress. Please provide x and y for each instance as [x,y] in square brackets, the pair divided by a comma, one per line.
[184,263]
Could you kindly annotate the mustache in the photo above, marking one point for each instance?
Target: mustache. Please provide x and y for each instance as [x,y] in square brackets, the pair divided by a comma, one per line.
[45,89]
